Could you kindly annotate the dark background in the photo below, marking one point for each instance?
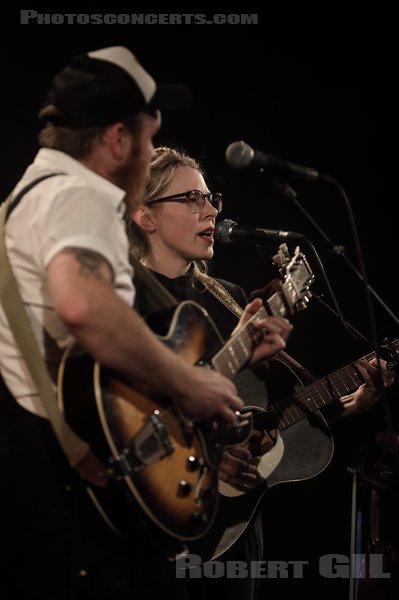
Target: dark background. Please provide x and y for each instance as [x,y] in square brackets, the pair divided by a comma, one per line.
[311,87]
[316,87]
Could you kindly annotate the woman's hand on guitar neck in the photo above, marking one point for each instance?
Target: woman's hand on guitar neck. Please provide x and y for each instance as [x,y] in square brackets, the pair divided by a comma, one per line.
[370,391]
[276,331]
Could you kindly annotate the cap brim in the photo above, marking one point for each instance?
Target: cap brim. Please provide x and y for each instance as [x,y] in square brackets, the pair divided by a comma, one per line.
[171,96]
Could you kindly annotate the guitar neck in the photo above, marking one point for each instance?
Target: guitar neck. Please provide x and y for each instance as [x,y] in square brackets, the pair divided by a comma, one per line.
[288,411]
[236,353]
[288,297]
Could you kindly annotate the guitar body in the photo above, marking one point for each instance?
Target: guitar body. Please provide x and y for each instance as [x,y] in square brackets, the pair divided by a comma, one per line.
[302,447]
[161,465]
[300,452]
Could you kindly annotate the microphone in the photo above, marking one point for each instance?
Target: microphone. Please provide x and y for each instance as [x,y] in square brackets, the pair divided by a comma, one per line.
[229,231]
[240,155]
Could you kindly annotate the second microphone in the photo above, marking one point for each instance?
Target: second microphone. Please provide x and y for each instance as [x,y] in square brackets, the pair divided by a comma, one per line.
[229,231]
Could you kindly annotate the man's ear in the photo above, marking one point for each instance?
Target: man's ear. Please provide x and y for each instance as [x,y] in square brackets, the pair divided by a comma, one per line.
[144,218]
[118,140]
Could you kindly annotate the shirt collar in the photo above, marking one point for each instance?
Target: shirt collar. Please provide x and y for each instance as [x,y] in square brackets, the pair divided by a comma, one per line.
[50,159]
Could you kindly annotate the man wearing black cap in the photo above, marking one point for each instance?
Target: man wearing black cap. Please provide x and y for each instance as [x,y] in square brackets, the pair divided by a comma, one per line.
[67,246]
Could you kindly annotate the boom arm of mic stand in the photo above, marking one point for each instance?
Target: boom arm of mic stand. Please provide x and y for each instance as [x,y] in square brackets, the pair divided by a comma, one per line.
[351,330]
[338,250]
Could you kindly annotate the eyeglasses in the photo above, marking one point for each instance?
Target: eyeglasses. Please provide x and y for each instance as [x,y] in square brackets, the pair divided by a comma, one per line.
[195,200]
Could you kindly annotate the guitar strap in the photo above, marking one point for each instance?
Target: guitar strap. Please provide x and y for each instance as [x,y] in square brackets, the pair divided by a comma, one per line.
[159,297]
[75,449]
[219,291]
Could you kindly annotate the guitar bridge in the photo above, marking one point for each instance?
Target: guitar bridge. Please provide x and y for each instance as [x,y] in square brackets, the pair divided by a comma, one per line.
[151,443]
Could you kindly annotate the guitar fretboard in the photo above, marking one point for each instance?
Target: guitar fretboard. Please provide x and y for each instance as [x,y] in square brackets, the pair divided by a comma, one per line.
[286,412]
[237,351]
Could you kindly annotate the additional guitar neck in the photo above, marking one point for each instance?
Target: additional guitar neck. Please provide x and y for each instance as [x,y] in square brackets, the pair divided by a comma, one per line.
[287,411]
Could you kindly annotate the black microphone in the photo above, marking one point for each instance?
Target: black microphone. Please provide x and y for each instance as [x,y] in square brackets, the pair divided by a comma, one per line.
[229,231]
[240,155]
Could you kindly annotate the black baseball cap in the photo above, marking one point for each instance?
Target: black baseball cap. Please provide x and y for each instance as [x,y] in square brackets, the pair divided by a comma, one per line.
[108,85]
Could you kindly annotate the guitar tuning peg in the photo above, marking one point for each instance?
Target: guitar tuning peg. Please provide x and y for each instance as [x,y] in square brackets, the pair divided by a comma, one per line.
[281,255]
[301,305]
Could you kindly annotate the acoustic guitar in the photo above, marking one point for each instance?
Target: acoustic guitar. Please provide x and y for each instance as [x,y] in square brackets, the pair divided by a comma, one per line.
[290,442]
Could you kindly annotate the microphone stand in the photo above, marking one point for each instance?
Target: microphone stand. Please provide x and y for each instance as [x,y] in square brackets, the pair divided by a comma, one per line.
[337,312]
[337,249]
[288,192]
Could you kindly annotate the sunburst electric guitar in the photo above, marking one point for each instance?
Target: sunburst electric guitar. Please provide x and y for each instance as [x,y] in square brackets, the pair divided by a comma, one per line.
[163,467]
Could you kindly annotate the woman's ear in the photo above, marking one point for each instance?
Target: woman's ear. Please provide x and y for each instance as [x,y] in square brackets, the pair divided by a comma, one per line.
[144,218]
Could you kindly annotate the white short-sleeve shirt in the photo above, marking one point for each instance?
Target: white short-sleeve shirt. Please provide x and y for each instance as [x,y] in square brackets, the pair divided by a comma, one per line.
[77,208]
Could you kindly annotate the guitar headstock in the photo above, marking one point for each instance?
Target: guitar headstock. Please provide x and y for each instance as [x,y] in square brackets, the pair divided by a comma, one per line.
[296,279]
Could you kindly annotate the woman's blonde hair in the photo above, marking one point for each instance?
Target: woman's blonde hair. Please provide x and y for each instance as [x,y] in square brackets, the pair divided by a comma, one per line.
[163,168]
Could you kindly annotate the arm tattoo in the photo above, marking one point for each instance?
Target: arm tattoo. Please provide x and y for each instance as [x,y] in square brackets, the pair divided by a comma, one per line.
[91,263]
